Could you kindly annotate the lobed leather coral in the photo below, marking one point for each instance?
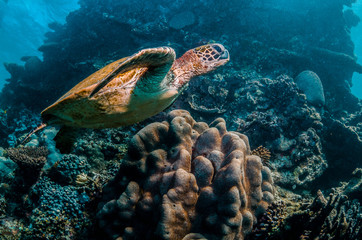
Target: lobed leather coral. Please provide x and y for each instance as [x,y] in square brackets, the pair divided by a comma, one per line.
[183,179]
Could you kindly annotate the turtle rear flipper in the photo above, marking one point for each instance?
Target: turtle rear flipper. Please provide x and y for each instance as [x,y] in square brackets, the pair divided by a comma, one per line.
[65,139]
[157,60]
[26,137]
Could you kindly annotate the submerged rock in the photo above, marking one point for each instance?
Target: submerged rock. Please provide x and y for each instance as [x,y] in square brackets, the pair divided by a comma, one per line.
[311,85]
[276,115]
[6,167]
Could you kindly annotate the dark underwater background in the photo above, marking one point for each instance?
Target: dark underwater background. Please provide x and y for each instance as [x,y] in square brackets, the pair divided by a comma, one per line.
[268,146]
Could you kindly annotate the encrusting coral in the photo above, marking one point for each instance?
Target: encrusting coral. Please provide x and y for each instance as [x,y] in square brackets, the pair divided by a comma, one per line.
[183,179]
[57,210]
[68,168]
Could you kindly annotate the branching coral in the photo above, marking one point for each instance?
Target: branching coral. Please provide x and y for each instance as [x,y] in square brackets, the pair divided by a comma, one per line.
[181,176]
[269,222]
[32,158]
[30,161]
[263,153]
[333,218]
[304,218]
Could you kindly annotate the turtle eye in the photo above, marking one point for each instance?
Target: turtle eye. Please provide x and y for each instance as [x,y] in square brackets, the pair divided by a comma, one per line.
[217,48]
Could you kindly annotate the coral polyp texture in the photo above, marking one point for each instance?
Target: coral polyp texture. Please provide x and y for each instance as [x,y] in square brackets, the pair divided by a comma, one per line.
[184,179]
[263,153]
[30,161]
[28,157]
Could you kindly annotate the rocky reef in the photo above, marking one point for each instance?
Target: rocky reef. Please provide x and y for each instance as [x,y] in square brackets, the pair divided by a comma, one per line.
[334,217]
[57,200]
[180,179]
[279,117]
[173,176]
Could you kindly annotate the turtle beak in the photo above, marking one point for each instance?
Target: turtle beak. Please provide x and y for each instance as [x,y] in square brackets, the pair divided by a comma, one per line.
[225,55]
[221,51]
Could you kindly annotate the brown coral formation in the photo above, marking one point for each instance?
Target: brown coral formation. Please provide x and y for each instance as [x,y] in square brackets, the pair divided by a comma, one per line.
[30,161]
[183,179]
[28,157]
[263,153]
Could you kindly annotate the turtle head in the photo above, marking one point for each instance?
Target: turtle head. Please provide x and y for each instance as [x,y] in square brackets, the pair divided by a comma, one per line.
[198,61]
[209,57]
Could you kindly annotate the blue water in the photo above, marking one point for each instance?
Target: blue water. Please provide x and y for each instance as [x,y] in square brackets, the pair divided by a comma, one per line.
[23,24]
[356,33]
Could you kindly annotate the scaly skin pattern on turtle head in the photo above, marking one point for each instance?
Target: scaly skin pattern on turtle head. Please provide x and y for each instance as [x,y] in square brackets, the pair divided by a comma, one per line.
[198,61]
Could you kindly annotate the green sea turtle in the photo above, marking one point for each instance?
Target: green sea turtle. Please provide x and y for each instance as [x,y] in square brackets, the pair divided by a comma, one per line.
[132,89]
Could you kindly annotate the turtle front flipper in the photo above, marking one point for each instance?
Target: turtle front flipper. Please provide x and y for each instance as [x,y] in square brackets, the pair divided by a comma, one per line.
[158,62]
[66,137]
